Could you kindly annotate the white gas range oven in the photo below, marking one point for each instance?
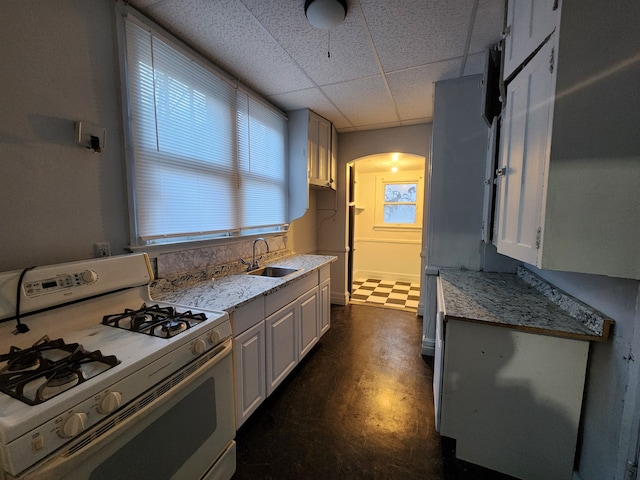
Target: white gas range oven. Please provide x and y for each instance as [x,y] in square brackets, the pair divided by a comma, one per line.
[107,383]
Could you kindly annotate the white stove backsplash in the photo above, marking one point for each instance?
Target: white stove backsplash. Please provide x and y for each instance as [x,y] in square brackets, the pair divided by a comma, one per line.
[216,260]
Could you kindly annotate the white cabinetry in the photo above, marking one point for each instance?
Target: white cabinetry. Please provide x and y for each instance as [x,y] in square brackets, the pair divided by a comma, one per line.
[512,399]
[529,22]
[249,361]
[524,149]
[320,158]
[267,349]
[282,345]
[311,158]
[324,315]
[308,322]
[568,196]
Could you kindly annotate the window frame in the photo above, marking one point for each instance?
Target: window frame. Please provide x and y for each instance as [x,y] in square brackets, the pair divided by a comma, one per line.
[380,201]
[169,243]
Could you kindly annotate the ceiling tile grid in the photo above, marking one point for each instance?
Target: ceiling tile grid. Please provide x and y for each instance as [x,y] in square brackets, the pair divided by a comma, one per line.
[227,33]
[411,33]
[412,89]
[365,102]
[488,25]
[384,58]
[350,57]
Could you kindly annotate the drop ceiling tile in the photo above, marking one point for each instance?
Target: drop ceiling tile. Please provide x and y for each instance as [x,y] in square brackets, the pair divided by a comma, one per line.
[357,104]
[230,35]
[314,99]
[351,52]
[487,26]
[418,32]
[412,89]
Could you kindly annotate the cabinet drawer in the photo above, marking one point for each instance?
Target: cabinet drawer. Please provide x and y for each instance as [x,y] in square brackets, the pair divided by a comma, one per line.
[324,274]
[291,292]
[247,315]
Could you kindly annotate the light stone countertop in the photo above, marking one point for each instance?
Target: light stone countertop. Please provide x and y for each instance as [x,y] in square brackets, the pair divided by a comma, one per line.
[506,300]
[233,290]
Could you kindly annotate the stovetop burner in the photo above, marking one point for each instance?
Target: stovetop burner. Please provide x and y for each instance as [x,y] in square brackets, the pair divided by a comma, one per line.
[154,320]
[49,368]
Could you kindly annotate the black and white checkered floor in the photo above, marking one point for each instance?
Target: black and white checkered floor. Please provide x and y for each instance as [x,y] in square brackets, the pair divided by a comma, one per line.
[385,293]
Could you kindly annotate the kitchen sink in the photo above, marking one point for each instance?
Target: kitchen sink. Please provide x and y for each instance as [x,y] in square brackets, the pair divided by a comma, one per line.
[273,271]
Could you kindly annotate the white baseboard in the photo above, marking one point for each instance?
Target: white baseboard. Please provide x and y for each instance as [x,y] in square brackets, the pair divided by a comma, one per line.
[339,298]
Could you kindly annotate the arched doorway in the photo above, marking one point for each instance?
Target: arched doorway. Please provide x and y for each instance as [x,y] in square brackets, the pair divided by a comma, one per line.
[385,199]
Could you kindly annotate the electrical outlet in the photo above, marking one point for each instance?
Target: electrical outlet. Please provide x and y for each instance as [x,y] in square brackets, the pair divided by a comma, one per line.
[102,249]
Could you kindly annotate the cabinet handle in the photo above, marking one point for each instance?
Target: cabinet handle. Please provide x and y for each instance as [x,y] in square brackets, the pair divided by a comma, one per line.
[501,172]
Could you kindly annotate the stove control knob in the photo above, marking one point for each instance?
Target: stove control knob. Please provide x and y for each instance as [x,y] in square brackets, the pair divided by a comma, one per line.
[74,425]
[198,347]
[214,337]
[110,402]
[89,276]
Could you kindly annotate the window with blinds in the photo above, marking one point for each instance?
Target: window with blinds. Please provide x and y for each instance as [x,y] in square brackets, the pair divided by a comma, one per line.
[208,159]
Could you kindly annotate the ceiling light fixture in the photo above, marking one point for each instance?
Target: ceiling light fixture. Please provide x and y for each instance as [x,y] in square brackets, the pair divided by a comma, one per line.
[325,14]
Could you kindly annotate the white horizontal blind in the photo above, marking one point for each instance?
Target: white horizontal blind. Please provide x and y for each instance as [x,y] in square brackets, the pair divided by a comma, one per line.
[193,141]
[261,154]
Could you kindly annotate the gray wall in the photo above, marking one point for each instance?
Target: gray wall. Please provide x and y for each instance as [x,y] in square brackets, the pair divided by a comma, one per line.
[611,406]
[59,65]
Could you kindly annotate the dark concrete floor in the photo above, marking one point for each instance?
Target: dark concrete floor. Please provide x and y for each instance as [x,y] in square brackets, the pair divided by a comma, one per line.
[359,406]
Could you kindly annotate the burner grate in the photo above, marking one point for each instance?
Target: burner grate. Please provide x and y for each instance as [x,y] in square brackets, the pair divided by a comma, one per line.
[49,368]
[164,322]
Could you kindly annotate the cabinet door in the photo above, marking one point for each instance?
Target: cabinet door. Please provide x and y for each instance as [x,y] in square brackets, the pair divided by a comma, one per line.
[319,151]
[314,140]
[525,141]
[282,344]
[308,325]
[324,152]
[249,367]
[529,22]
[324,317]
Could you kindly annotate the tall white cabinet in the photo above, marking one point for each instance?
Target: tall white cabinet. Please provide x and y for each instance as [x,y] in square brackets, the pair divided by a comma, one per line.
[569,169]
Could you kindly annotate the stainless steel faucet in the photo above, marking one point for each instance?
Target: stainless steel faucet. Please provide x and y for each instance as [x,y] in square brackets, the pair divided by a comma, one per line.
[254,262]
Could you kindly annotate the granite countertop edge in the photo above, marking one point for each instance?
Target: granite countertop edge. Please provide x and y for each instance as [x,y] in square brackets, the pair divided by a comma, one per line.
[226,289]
[521,301]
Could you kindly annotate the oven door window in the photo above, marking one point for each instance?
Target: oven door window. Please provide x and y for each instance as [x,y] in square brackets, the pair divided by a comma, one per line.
[167,444]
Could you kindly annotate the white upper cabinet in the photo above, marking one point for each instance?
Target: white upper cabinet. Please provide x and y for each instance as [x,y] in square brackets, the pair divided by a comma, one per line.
[568,195]
[529,23]
[525,134]
[311,158]
[320,157]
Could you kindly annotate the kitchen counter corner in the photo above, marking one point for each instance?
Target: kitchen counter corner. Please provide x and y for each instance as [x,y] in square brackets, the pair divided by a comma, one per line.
[507,300]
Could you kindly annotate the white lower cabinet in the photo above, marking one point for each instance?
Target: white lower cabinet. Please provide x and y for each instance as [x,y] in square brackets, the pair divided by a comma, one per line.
[267,349]
[249,360]
[282,347]
[512,399]
[308,321]
[324,314]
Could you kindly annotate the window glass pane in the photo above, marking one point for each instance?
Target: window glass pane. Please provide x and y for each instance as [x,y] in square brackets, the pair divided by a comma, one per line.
[400,192]
[400,214]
